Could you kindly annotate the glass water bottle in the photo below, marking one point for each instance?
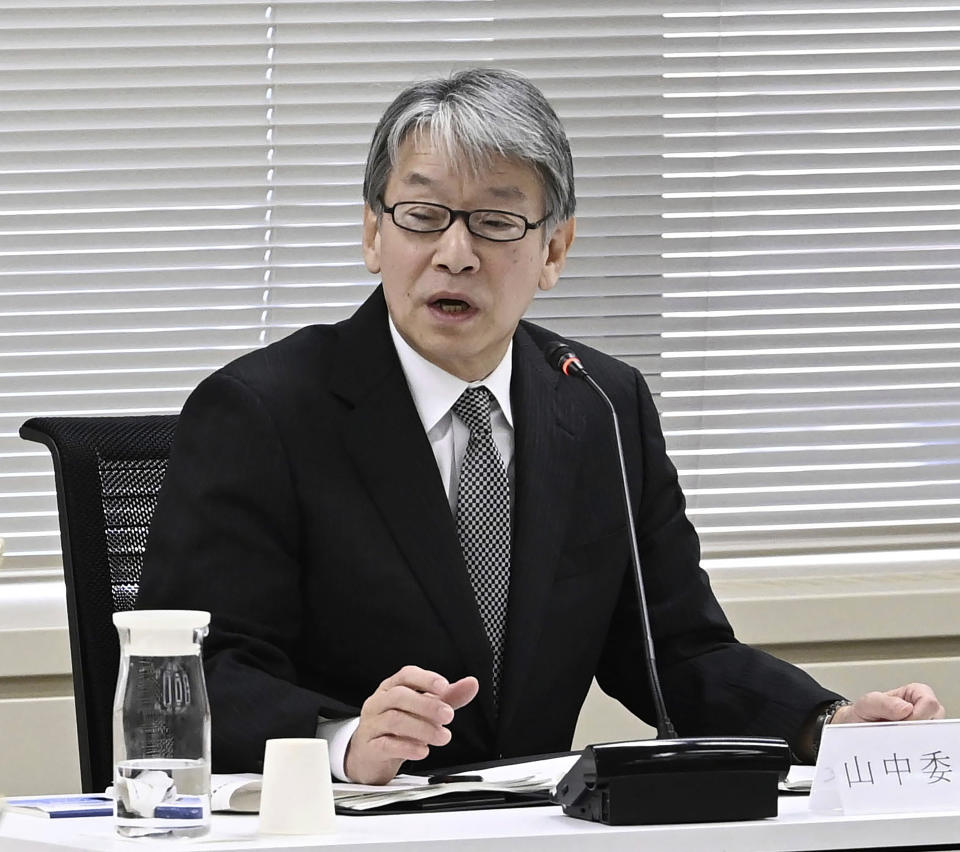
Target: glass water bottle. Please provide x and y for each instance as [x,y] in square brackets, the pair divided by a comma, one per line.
[161,725]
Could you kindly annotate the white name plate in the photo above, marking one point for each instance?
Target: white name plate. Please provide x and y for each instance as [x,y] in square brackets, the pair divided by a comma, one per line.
[888,767]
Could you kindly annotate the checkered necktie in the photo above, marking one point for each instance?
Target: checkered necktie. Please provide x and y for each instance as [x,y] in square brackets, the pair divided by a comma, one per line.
[483,521]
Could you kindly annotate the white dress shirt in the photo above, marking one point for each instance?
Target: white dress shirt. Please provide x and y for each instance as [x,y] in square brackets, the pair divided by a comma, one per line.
[434,392]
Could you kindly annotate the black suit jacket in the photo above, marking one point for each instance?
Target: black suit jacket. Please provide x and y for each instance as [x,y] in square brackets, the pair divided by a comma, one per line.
[303,508]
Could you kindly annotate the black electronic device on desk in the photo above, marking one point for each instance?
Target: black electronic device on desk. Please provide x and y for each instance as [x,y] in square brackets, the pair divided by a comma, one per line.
[666,780]
[699,779]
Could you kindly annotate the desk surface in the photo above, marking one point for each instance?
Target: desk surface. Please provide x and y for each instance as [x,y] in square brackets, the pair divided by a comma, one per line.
[531,829]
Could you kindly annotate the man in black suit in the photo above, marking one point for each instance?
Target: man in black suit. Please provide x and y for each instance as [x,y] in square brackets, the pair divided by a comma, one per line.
[316,491]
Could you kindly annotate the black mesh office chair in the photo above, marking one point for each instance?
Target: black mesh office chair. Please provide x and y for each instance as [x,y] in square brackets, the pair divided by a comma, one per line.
[108,472]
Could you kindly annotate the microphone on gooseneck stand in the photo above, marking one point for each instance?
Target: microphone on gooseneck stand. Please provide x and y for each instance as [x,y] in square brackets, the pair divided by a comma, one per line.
[561,357]
[669,779]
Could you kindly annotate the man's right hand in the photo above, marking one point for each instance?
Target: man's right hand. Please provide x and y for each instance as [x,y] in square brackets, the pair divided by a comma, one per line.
[401,720]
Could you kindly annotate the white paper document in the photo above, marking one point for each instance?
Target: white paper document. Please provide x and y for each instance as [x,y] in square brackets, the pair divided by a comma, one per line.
[241,793]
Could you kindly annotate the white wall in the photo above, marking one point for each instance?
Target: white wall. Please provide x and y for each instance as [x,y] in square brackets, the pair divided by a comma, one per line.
[38,734]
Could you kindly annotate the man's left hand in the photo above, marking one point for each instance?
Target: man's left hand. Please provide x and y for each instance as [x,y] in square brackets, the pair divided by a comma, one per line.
[906,703]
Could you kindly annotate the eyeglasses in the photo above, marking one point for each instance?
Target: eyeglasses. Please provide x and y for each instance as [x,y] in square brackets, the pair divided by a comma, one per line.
[422,217]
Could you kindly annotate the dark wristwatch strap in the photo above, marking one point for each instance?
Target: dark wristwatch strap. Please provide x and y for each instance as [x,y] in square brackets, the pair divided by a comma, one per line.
[823,719]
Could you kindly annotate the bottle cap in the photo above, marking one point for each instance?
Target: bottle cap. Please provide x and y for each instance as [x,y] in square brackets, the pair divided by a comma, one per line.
[162,632]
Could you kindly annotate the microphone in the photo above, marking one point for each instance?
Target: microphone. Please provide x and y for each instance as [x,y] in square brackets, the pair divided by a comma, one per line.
[669,779]
[561,357]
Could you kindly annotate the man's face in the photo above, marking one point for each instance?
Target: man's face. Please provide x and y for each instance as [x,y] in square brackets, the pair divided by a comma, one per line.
[454,297]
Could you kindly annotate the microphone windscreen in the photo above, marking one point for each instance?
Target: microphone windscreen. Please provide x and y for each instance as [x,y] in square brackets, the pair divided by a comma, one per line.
[557,352]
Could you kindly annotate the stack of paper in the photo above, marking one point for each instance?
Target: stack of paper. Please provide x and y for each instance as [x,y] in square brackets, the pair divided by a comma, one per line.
[528,779]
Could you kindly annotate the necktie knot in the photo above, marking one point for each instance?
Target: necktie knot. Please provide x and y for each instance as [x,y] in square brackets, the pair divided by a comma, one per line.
[473,408]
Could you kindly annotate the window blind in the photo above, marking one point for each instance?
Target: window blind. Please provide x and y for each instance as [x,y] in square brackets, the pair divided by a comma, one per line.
[811,322]
[767,203]
[133,152]
[180,183]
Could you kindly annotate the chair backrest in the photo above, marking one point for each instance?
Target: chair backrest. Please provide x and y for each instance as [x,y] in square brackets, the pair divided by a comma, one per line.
[108,472]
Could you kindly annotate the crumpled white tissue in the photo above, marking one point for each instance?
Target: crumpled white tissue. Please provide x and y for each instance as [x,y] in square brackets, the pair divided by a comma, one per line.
[142,794]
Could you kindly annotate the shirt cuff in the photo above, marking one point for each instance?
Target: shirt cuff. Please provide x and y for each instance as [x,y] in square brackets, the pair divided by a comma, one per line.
[337,733]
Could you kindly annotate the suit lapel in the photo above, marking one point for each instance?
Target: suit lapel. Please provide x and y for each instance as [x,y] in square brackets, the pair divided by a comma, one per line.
[384,435]
[545,466]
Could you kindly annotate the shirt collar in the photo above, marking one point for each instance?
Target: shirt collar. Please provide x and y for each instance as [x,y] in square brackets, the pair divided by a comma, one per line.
[434,391]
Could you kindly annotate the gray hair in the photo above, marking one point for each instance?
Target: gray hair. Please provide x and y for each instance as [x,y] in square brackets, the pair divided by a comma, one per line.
[471,117]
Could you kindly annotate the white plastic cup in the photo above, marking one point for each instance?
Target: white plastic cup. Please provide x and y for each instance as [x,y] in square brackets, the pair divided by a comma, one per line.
[297,794]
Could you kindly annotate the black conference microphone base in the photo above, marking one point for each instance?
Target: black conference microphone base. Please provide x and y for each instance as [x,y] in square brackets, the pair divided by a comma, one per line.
[653,782]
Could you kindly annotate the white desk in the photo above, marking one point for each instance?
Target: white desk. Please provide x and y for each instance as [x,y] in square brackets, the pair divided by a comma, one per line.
[529,829]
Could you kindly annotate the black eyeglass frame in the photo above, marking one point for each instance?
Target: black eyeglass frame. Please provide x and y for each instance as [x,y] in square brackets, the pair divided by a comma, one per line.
[465,215]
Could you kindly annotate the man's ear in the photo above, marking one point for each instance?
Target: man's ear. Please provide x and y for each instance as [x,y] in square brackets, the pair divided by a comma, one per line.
[371,239]
[556,253]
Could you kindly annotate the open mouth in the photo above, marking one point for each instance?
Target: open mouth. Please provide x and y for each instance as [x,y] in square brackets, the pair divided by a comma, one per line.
[451,306]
